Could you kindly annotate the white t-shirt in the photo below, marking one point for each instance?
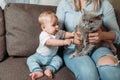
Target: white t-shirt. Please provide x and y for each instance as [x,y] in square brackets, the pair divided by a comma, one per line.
[47,50]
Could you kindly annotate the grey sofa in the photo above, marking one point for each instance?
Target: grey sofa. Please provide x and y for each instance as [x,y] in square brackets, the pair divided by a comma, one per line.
[19,30]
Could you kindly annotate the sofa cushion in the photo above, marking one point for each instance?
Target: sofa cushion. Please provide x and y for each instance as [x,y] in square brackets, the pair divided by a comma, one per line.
[22,28]
[14,68]
[2,36]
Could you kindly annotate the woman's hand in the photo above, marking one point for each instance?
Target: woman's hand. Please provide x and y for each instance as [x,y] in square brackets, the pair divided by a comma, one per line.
[77,39]
[95,37]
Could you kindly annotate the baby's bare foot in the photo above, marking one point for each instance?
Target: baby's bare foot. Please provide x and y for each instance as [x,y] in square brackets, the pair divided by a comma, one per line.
[48,73]
[35,75]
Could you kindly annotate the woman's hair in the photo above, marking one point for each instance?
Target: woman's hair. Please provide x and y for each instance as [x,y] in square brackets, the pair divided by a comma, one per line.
[77,5]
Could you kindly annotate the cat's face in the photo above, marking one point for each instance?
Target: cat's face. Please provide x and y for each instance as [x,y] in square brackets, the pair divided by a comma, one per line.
[91,21]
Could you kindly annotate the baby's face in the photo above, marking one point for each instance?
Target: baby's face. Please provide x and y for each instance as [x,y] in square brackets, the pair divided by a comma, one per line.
[51,25]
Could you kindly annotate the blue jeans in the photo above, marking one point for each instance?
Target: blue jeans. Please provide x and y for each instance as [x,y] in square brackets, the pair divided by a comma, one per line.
[36,60]
[86,68]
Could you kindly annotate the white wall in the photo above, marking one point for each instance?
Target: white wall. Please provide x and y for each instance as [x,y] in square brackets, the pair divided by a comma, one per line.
[45,2]
[41,2]
[2,4]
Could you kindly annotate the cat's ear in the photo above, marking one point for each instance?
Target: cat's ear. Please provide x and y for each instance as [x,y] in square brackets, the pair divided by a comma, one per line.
[99,16]
[84,11]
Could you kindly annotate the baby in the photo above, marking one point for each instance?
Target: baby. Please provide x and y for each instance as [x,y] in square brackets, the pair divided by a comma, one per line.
[50,39]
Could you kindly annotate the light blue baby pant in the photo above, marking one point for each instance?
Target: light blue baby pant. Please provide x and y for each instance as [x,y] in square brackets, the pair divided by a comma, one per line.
[36,61]
[86,68]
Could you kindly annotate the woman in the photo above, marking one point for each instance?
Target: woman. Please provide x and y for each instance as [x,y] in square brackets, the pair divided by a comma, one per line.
[101,64]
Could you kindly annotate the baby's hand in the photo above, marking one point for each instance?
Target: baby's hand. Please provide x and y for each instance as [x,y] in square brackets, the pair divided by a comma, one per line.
[68,42]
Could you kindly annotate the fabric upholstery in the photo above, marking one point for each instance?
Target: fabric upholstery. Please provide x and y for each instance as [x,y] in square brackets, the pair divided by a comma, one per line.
[22,32]
[2,36]
[22,28]
[16,69]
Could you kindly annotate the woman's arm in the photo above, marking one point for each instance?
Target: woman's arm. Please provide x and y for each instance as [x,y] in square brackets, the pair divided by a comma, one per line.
[99,35]
[110,22]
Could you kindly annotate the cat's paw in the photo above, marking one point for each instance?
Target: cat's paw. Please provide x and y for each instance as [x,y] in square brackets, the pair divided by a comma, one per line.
[75,54]
[114,50]
[71,56]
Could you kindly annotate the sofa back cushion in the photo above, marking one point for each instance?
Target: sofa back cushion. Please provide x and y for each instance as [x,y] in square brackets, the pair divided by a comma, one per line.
[22,28]
[2,36]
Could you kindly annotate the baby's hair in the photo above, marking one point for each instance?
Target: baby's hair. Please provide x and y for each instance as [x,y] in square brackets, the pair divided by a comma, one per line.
[44,15]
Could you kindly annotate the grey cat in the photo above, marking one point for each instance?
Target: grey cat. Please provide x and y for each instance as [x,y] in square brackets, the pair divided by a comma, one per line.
[89,22]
